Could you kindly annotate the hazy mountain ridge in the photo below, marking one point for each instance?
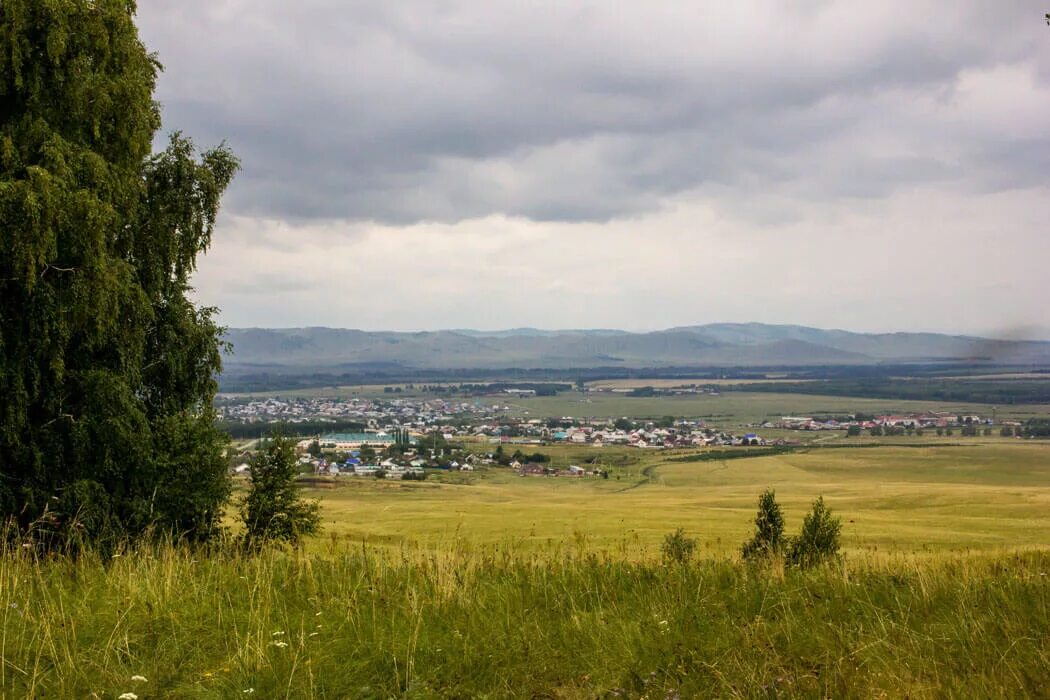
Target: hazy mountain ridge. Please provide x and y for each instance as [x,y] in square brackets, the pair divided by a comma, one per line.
[718,344]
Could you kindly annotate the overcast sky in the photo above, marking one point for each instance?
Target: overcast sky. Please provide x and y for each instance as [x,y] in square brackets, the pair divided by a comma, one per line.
[424,165]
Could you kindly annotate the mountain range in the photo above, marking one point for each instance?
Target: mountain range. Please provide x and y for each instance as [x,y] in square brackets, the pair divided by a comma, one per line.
[719,344]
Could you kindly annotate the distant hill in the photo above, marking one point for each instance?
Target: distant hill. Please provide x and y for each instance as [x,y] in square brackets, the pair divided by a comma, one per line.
[720,344]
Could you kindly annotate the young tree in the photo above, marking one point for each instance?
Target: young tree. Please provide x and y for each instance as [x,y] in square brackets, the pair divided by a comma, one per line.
[769,529]
[107,368]
[819,539]
[677,548]
[274,509]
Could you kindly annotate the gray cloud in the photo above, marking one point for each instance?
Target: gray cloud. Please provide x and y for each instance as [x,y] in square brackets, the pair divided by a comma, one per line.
[445,111]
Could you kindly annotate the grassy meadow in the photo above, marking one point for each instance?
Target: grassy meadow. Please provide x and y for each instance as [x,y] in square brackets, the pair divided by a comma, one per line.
[376,623]
[492,585]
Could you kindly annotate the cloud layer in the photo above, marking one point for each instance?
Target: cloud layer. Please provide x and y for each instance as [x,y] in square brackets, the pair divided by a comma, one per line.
[615,128]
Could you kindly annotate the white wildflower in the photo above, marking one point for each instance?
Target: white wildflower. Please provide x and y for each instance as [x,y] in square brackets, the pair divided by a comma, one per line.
[248,691]
[139,679]
[277,634]
[279,645]
[127,696]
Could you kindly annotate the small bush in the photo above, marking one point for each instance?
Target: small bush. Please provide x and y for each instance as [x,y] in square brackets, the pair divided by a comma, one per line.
[819,539]
[677,548]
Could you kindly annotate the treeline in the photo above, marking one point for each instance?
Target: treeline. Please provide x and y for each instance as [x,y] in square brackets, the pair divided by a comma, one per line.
[1036,428]
[246,431]
[1006,391]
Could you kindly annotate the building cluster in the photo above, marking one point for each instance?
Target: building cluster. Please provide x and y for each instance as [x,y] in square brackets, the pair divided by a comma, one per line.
[912,421]
[417,414]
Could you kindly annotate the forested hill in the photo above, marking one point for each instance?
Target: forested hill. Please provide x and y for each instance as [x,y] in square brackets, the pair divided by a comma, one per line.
[725,344]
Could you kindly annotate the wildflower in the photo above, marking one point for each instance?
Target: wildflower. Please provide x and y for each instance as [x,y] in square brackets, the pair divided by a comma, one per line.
[277,634]
[313,634]
[139,679]
[127,696]
[279,645]
[248,691]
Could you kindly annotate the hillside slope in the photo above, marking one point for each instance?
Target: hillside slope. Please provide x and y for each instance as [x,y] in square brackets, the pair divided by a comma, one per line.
[749,344]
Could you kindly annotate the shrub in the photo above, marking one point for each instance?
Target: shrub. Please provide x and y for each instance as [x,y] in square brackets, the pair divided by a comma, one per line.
[677,548]
[769,529]
[819,539]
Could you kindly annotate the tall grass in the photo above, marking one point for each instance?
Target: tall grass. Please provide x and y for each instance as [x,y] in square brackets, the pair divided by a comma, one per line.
[364,622]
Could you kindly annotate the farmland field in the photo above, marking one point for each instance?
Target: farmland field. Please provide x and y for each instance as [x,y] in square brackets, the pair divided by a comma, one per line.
[734,408]
[987,495]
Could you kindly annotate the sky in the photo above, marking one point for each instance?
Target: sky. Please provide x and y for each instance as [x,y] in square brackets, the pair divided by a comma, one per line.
[419,165]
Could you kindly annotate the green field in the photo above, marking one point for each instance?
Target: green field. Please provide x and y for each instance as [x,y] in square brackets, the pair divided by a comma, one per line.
[736,408]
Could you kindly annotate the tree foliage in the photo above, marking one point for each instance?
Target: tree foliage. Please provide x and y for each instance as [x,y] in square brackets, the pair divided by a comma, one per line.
[769,529]
[106,368]
[819,539]
[274,509]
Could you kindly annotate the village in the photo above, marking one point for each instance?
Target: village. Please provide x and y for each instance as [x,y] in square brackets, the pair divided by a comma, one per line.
[404,439]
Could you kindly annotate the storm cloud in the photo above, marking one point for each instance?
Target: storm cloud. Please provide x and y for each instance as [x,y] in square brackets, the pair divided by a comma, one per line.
[409,111]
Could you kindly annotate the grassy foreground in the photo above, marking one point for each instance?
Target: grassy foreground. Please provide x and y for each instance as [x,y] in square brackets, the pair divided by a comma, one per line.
[488,622]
